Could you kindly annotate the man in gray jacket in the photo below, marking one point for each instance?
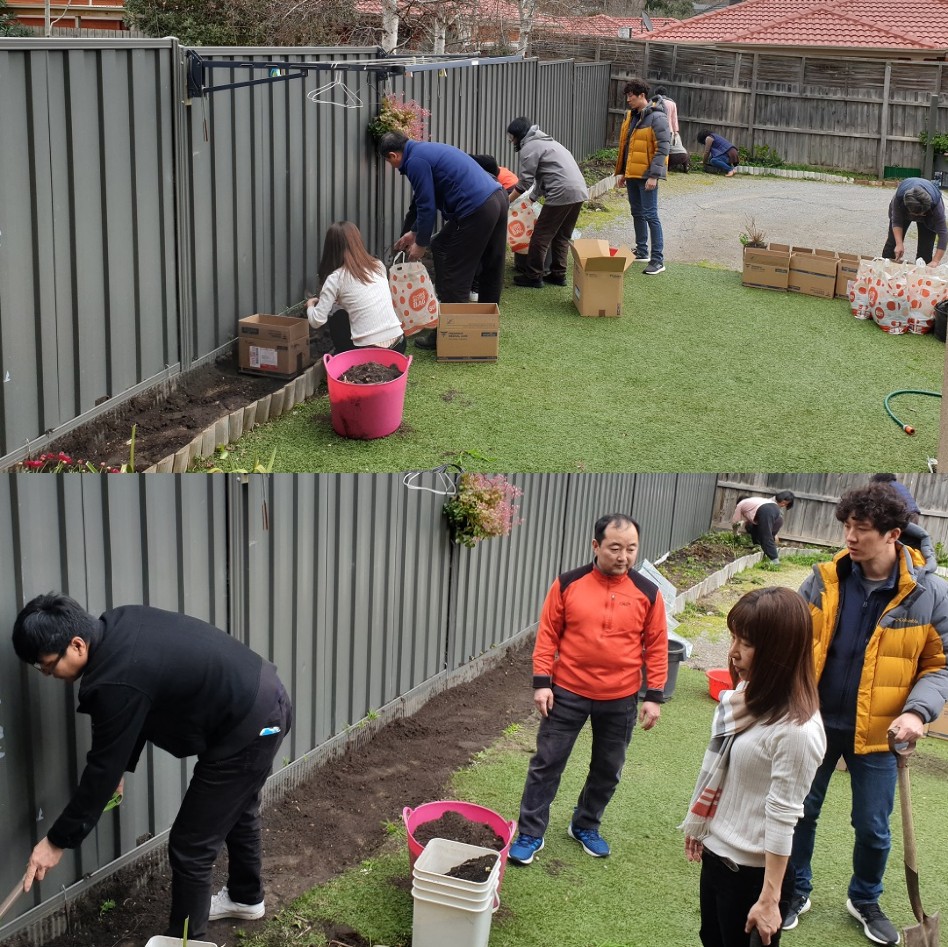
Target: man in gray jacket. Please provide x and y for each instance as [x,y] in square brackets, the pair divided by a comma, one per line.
[552,172]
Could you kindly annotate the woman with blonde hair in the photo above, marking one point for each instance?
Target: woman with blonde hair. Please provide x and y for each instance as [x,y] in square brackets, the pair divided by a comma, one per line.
[767,741]
[355,298]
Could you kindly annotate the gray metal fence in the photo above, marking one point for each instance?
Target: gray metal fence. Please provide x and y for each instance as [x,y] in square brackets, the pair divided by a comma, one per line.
[812,518]
[349,583]
[138,224]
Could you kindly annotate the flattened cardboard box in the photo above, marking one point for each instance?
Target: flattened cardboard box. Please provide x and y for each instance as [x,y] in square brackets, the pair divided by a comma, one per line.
[273,345]
[813,272]
[598,277]
[767,267]
[468,332]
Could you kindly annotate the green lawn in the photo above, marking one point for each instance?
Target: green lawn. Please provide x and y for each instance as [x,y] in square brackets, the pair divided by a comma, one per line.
[699,374]
[646,893]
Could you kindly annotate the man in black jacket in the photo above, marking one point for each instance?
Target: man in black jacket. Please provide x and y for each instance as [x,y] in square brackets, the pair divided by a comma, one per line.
[189,688]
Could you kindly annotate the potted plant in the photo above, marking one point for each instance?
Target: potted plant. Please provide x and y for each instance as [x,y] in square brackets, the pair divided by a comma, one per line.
[482,508]
[753,236]
[396,114]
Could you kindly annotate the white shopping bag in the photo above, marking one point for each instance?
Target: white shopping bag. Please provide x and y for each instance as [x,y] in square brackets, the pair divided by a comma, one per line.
[413,295]
[521,221]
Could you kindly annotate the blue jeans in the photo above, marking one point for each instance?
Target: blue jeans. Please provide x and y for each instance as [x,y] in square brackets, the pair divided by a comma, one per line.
[721,162]
[644,206]
[872,777]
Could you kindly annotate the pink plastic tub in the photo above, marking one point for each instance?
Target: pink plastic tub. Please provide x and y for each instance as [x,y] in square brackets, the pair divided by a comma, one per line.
[430,811]
[364,412]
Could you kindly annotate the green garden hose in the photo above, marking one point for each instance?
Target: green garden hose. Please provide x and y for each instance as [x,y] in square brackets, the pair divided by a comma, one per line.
[906,391]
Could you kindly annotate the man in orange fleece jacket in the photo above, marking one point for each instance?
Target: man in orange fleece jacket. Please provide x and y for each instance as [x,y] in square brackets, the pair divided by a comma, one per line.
[602,636]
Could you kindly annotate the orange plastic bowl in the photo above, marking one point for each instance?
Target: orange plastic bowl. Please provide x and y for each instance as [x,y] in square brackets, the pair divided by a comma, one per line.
[719,679]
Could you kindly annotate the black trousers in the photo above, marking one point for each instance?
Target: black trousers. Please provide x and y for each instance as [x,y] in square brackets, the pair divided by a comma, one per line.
[461,246]
[612,722]
[553,230]
[926,242]
[340,331]
[727,895]
[222,806]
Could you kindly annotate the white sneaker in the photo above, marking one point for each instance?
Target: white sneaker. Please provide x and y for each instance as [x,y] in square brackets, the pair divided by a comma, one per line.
[222,906]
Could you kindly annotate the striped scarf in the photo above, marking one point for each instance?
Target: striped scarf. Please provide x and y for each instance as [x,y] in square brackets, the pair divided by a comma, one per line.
[730,718]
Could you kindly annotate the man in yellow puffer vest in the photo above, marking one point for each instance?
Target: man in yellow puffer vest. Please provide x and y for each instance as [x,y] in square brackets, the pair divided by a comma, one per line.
[644,143]
[880,638]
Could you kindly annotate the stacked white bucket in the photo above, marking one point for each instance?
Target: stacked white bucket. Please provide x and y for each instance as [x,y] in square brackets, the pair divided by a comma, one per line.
[451,910]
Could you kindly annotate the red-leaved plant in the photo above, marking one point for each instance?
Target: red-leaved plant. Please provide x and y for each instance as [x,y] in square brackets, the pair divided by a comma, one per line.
[482,508]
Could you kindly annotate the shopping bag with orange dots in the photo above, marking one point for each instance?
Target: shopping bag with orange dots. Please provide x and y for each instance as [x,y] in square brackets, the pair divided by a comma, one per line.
[413,295]
[927,286]
[521,221]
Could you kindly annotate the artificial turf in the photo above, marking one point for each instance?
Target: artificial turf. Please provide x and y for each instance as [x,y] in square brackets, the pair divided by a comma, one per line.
[646,893]
[698,374]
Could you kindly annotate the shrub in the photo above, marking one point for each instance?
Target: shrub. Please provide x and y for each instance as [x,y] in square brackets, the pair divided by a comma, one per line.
[398,115]
[763,156]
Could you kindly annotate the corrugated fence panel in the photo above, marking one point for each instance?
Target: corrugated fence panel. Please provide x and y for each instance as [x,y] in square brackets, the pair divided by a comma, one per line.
[694,500]
[590,115]
[119,540]
[590,497]
[270,169]
[498,586]
[653,506]
[87,263]
[554,87]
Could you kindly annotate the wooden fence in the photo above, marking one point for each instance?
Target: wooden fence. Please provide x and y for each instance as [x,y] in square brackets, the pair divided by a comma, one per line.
[812,518]
[858,114]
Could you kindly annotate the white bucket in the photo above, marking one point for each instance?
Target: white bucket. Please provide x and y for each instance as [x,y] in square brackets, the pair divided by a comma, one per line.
[441,855]
[440,920]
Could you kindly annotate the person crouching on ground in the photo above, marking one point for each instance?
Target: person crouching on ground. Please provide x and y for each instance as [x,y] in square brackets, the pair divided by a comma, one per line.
[719,153]
[644,143]
[354,298]
[553,174]
[767,741]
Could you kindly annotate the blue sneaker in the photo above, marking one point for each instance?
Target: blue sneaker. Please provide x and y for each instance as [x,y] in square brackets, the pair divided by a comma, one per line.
[593,843]
[523,850]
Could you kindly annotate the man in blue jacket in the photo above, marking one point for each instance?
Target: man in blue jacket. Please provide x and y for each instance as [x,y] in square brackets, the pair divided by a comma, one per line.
[147,675]
[918,200]
[473,205]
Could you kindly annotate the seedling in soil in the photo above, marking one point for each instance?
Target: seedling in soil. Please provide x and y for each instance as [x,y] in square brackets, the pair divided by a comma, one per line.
[391,828]
[106,906]
[511,729]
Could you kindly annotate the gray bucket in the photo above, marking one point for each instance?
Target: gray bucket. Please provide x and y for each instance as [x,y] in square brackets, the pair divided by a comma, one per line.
[676,654]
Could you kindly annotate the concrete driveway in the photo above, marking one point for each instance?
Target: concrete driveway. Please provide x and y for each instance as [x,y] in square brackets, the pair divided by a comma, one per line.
[703,215]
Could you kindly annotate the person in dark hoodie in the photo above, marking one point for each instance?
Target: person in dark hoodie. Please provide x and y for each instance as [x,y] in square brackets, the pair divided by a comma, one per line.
[147,675]
[880,638]
[473,240]
[644,143]
[553,174]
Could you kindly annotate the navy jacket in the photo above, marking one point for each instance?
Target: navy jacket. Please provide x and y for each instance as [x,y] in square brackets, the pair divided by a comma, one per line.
[443,178]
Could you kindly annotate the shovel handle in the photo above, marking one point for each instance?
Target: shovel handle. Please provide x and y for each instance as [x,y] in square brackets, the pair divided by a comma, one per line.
[12,896]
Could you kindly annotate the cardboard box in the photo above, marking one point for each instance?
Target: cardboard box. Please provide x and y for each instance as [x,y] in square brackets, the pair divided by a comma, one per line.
[468,332]
[846,270]
[273,345]
[599,277]
[939,726]
[812,272]
[767,267]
